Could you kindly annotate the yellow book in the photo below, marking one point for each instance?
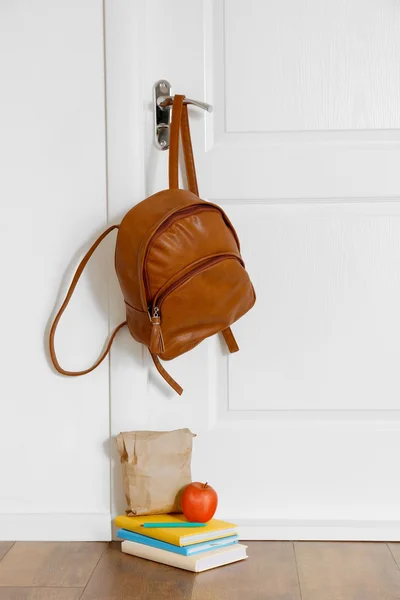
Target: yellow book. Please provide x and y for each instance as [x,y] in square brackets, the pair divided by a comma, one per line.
[178,536]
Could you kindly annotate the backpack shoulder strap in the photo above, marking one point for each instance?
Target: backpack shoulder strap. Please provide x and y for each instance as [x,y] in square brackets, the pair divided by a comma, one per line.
[64,305]
[175,386]
[230,340]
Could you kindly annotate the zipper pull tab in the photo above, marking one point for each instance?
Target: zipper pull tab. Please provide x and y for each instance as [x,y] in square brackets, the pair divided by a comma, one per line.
[156,338]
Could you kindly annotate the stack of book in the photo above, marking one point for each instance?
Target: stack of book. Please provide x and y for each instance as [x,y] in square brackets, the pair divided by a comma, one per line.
[192,548]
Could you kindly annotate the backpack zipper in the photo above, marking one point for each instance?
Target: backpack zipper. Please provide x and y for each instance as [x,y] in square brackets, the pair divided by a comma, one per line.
[156,338]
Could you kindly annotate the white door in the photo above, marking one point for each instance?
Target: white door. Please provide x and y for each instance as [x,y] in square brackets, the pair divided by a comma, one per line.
[298,432]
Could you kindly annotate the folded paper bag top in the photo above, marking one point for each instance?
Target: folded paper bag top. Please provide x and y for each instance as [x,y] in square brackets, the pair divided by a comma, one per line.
[155,469]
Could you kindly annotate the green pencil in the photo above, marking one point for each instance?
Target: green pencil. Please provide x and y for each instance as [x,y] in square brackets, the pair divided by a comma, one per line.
[183,524]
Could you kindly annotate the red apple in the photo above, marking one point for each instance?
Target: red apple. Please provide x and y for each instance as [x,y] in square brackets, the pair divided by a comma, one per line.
[199,502]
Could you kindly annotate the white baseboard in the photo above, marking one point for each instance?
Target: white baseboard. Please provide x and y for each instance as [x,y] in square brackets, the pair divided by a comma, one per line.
[56,527]
[335,530]
[97,527]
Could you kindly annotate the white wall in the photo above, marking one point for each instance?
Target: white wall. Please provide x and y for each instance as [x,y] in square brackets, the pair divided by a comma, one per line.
[54,431]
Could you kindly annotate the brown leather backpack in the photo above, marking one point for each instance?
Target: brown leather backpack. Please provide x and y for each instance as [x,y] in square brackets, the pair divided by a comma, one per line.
[178,262]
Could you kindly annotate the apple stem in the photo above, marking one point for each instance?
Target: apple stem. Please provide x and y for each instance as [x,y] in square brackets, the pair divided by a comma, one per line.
[205,485]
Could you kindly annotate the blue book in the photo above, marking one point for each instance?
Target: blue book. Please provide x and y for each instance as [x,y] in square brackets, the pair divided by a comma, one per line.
[186,550]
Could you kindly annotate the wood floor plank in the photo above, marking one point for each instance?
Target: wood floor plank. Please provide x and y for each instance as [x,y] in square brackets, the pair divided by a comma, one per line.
[395,550]
[347,571]
[4,548]
[32,593]
[50,564]
[119,576]
[270,573]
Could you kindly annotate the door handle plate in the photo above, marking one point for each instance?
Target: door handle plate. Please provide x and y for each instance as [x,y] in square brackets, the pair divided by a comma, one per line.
[162,115]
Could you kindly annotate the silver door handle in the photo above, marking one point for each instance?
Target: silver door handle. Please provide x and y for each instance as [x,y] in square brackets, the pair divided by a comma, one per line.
[167,101]
[163,100]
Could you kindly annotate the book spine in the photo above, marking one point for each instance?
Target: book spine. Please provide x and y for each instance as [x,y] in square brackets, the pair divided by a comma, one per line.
[160,556]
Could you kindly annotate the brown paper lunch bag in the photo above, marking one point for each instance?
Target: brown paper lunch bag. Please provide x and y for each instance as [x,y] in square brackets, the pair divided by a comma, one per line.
[179,266]
[155,469]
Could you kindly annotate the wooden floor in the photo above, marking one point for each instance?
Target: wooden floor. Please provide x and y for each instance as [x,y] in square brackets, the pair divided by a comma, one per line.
[274,571]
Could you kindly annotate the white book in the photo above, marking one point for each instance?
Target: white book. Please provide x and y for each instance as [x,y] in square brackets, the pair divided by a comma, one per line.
[196,563]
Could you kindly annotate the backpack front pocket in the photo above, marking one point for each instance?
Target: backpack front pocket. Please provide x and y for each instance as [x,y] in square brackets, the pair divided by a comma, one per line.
[199,302]
[189,235]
